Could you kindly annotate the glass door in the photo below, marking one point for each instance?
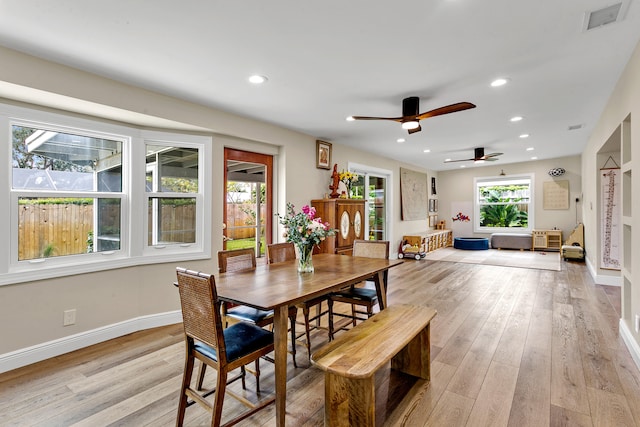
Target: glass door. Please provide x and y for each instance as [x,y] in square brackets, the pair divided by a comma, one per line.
[373,188]
[247,200]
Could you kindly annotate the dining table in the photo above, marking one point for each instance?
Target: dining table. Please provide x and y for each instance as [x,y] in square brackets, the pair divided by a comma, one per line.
[278,286]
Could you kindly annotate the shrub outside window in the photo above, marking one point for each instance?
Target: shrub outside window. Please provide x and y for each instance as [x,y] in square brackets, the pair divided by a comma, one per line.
[503,204]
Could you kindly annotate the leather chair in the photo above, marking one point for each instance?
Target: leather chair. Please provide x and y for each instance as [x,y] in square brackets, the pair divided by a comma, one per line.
[281,252]
[223,349]
[359,296]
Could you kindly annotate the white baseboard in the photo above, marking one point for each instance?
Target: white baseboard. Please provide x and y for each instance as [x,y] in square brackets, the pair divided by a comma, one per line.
[47,350]
[632,344]
[602,279]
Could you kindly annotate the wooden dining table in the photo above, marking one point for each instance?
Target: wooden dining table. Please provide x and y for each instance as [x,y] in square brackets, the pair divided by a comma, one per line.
[278,286]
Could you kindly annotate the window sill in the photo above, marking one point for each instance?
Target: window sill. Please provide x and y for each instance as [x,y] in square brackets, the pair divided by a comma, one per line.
[43,272]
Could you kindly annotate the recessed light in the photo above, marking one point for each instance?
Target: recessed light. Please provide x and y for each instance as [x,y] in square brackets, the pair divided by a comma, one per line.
[350,119]
[462,166]
[426,151]
[499,82]
[257,79]
[529,148]
[534,158]
[524,135]
[516,118]
[447,160]
[400,140]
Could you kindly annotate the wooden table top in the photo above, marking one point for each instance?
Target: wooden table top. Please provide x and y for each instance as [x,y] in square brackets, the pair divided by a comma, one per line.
[275,285]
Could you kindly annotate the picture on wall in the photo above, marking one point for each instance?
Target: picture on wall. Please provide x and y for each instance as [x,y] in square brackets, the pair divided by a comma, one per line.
[413,195]
[323,155]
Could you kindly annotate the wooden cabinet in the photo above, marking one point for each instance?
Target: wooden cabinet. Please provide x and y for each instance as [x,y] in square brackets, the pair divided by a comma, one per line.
[550,240]
[347,216]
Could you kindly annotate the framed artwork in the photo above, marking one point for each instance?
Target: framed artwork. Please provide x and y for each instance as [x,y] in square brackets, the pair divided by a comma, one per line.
[433,220]
[433,186]
[323,155]
[433,205]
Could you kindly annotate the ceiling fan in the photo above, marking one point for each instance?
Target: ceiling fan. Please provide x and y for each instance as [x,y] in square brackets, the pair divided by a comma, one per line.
[478,156]
[411,113]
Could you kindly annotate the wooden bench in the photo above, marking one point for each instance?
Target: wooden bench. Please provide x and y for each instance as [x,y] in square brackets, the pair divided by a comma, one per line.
[400,334]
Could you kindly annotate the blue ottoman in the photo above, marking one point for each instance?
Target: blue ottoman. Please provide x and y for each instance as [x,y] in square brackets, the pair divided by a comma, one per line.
[471,243]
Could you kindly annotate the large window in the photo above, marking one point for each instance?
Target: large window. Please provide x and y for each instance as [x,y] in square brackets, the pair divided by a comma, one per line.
[86,196]
[503,204]
[69,192]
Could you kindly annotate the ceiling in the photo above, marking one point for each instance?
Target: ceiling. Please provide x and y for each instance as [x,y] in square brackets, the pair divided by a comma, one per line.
[331,59]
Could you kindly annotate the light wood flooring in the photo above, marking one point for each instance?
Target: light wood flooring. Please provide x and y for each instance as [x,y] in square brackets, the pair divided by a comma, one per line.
[510,347]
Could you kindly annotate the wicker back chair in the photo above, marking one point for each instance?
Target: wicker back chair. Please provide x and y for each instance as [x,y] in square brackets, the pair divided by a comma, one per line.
[223,349]
[240,261]
[237,260]
[358,296]
[281,252]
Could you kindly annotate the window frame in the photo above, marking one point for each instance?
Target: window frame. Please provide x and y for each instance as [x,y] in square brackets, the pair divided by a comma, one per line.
[133,245]
[504,180]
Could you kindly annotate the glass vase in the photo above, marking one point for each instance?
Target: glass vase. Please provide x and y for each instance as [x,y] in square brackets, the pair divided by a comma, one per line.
[305,262]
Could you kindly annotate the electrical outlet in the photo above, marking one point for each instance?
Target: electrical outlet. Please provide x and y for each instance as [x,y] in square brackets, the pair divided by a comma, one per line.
[69,317]
[637,322]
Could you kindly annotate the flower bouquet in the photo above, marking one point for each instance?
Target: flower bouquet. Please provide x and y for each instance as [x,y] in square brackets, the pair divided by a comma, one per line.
[348,178]
[305,231]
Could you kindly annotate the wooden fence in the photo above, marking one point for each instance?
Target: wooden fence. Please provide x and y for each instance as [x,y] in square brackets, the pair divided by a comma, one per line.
[64,229]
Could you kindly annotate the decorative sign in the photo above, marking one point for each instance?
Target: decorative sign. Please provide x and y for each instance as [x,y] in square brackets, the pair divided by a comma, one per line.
[610,227]
[555,195]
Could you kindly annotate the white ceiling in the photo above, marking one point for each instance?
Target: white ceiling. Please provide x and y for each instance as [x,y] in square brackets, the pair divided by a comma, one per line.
[327,60]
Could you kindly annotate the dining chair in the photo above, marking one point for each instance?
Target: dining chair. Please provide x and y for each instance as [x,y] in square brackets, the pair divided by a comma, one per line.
[281,252]
[243,260]
[225,349]
[359,296]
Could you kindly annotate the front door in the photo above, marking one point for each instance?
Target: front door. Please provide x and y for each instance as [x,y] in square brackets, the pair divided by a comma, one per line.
[247,200]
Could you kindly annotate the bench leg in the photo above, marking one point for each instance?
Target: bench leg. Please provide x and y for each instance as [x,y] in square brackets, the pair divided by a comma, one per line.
[415,358]
[349,402]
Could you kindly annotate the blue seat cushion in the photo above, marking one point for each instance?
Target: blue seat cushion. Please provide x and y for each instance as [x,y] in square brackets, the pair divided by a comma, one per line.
[362,294]
[240,339]
[249,314]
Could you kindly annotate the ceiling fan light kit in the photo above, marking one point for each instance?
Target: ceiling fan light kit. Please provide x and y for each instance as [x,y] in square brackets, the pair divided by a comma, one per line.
[410,119]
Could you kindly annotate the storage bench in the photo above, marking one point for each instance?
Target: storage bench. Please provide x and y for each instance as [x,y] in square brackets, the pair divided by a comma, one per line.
[512,241]
[399,333]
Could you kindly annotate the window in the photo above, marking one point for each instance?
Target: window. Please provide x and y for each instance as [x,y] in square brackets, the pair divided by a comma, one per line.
[172,189]
[86,196]
[503,204]
[69,192]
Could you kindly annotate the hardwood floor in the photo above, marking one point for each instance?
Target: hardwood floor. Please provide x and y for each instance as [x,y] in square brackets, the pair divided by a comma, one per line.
[510,347]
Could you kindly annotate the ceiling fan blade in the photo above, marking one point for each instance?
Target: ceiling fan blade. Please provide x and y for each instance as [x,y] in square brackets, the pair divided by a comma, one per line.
[395,119]
[418,129]
[458,160]
[453,108]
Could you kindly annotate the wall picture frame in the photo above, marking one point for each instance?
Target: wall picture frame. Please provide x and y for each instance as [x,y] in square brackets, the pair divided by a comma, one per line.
[323,155]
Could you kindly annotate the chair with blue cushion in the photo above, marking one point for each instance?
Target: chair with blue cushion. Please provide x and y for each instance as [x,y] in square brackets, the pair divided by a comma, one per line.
[223,349]
[242,261]
[359,296]
[281,252]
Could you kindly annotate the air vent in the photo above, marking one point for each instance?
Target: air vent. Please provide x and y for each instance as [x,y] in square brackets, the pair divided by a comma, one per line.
[575,127]
[604,16]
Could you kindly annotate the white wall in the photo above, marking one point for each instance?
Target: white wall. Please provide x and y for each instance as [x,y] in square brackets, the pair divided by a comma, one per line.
[457,186]
[624,102]
[118,301]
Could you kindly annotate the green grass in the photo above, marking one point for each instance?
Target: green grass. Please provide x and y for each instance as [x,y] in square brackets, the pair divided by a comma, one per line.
[245,243]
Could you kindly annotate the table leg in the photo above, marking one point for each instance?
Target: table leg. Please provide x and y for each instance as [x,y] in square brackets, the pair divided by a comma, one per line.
[381,289]
[281,315]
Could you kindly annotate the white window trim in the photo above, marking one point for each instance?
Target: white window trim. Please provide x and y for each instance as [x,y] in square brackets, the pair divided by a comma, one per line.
[133,250]
[476,205]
